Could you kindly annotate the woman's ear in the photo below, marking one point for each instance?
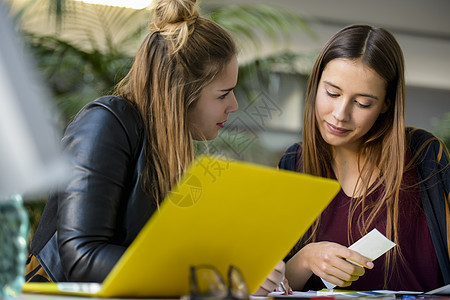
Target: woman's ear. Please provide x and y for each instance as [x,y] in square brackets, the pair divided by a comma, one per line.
[386,104]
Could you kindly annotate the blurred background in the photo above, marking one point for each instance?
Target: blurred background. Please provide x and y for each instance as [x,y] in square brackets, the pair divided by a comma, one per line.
[81,50]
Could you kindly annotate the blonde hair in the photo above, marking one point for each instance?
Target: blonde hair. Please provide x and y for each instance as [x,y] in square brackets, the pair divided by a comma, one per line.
[383,147]
[182,53]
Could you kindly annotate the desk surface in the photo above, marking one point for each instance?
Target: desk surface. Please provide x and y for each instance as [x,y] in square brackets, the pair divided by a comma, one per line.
[274,296]
[33,296]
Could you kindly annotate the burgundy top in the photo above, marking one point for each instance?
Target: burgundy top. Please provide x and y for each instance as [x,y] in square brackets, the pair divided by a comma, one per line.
[420,269]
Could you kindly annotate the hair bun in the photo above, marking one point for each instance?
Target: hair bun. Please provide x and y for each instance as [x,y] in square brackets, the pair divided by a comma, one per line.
[169,14]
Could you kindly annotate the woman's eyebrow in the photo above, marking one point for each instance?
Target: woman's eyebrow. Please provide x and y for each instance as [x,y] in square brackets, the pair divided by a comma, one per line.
[227,90]
[361,94]
[333,85]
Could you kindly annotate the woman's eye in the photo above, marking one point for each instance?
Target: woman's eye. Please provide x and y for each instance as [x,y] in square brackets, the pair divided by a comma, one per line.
[223,96]
[333,95]
[363,105]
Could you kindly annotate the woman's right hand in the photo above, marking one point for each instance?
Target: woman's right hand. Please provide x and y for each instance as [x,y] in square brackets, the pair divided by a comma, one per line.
[328,260]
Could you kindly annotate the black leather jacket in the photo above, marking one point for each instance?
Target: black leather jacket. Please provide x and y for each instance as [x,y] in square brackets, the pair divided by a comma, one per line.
[90,220]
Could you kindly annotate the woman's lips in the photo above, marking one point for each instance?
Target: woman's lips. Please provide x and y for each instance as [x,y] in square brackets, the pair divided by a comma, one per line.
[336,130]
[221,125]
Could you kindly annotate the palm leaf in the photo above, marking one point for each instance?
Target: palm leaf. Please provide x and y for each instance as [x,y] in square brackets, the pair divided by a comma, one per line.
[255,23]
[105,28]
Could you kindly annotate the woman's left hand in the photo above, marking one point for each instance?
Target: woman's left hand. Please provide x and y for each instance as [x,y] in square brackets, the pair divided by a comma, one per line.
[273,281]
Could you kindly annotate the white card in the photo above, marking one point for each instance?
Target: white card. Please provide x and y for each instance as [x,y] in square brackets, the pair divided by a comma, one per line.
[372,245]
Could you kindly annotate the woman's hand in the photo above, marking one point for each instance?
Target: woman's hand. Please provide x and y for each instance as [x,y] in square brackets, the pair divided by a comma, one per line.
[273,281]
[330,261]
[284,287]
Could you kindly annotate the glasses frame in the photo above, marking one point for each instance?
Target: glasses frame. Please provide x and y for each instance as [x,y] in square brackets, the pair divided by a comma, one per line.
[235,289]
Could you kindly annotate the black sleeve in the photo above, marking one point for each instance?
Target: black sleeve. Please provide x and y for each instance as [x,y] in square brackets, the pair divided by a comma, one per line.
[289,162]
[289,159]
[100,155]
[433,170]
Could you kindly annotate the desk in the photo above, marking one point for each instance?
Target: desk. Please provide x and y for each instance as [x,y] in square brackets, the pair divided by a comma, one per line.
[33,296]
[378,295]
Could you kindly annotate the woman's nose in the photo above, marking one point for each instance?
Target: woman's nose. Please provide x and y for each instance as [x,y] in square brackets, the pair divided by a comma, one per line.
[233,105]
[341,111]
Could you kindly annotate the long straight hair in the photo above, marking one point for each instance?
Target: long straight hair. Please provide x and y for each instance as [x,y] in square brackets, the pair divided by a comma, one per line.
[383,147]
[180,56]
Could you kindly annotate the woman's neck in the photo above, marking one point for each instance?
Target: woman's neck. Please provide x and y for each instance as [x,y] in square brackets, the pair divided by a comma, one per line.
[348,170]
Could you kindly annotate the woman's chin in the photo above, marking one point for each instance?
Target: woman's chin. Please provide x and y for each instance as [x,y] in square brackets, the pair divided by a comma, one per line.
[205,137]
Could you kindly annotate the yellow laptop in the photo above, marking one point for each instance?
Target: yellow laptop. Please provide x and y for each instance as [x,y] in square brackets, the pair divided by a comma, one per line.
[223,212]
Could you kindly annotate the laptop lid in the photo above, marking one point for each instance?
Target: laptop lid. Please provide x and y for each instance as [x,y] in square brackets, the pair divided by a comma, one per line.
[221,213]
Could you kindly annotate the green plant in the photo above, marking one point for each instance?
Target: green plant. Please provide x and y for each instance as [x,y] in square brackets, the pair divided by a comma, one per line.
[76,76]
[259,22]
[442,129]
[34,209]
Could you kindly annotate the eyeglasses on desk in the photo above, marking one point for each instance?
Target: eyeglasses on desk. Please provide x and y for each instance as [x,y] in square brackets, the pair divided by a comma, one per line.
[207,283]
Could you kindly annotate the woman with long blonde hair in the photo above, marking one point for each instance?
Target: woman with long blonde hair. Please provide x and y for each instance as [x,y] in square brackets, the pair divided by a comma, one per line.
[394,179]
[128,150]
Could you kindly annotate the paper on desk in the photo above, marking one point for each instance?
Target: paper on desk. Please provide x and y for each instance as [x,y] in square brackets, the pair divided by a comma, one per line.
[295,294]
[372,245]
[385,294]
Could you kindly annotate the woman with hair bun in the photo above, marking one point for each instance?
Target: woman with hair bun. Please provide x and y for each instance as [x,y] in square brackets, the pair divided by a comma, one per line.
[128,150]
